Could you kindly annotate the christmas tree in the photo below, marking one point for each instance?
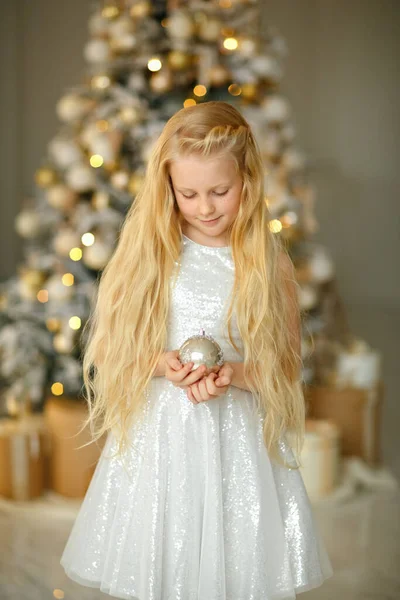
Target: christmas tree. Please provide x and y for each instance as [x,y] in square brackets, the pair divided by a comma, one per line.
[146,60]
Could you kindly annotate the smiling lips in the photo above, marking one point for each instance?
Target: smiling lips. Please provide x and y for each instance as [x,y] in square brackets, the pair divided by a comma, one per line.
[211,220]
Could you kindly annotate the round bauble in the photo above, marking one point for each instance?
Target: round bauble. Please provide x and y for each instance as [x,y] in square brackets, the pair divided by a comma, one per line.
[64,152]
[45,177]
[65,240]
[209,30]
[73,107]
[28,224]
[276,108]
[97,255]
[81,178]
[179,60]
[97,51]
[180,25]
[61,197]
[141,10]
[219,75]
[201,350]
[58,292]
[161,81]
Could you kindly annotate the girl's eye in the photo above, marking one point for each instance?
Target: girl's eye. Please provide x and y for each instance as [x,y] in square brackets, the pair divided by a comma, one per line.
[216,193]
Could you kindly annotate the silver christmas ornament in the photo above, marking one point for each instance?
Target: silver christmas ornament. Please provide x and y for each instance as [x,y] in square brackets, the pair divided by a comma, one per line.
[201,350]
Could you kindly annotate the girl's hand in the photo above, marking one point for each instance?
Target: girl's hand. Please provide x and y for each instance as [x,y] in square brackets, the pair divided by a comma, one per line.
[181,375]
[212,386]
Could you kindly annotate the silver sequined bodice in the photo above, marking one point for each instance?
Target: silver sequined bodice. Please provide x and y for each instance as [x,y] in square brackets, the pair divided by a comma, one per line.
[200,297]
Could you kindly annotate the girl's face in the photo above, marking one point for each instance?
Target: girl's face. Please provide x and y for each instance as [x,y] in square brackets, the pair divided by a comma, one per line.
[207,191]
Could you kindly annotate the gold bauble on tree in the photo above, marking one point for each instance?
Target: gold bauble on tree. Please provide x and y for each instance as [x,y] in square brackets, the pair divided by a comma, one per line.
[135,183]
[141,10]
[219,75]
[45,177]
[161,81]
[249,91]
[179,60]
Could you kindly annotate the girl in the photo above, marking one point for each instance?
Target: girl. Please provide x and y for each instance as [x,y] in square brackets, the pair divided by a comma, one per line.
[197,494]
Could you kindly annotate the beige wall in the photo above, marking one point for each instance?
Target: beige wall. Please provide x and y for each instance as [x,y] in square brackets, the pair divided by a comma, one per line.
[341,79]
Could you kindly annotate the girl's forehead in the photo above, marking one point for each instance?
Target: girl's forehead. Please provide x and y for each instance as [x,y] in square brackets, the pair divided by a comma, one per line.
[209,164]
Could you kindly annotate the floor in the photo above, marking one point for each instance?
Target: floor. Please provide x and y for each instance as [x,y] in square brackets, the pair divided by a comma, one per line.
[362,535]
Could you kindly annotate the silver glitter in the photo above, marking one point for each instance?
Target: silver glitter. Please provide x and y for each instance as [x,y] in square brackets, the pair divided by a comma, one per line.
[196,510]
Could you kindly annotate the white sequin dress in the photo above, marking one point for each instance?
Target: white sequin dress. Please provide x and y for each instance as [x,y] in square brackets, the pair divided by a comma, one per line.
[196,510]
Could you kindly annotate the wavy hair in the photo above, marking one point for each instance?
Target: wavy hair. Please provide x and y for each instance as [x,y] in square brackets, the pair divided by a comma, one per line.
[127,329]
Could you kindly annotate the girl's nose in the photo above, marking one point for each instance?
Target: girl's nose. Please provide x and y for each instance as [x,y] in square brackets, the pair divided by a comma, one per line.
[206,208]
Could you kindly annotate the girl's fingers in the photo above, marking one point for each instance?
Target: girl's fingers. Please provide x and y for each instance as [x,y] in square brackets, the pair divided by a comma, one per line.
[193,376]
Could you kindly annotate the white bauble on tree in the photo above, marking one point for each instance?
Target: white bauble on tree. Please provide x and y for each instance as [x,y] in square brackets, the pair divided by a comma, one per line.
[97,51]
[63,343]
[98,25]
[65,240]
[121,26]
[97,255]
[210,30]
[73,107]
[266,67]
[124,43]
[58,292]
[276,108]
[64,152]
[180,25]
[321,265]
[308,297]
[28,224]
[81,178]
[61,197]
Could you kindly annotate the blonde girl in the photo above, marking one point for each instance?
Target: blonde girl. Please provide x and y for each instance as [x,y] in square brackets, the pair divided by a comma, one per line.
[197,494]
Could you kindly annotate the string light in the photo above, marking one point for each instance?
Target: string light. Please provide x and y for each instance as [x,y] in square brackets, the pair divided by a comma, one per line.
[75,322]
[189,102]
[230,43]
[102,125]
[42,296]
[88,239]
[200,90]
[234,89]
[57,388]
[59,594]
[154,64]
[68,279]
[75,254]
[275,225]
[96,160]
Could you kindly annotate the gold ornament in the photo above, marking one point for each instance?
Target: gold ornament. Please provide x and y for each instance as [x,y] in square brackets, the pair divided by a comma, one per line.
[61,197]
[179,60]
[249,91]
[219,75]
[100,200]
[33,278]
[201,350]
[135,183]
[141,10]
[100,82]
[45,177]
[120,179]
[110,11]
[130,115]
[161,82]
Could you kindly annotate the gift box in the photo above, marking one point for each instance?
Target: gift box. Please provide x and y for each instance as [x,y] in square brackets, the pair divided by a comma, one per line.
[358,414]
[23,450]
[320,458]
[70,468]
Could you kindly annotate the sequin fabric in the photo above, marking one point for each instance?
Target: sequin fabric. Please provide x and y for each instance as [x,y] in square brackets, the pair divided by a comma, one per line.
[196,510]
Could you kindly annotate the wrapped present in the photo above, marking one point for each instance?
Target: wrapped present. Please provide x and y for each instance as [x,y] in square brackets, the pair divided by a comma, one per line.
[321,458]
[357,412]
[70,468]
[23,450]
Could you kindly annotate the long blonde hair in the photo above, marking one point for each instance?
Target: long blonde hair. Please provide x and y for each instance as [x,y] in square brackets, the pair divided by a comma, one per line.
[126,333]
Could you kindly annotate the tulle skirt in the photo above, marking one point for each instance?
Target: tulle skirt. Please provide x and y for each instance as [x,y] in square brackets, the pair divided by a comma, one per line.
[196,510]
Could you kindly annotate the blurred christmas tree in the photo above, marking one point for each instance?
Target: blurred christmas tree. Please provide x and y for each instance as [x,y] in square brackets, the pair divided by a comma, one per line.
[145,61]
